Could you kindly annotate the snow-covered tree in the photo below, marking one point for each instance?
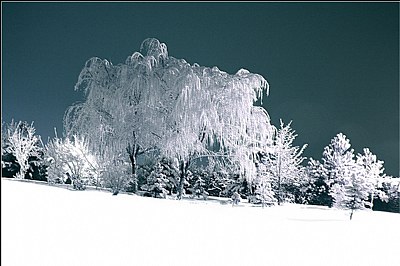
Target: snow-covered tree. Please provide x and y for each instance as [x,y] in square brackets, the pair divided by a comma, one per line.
[115,174]
[71,156]
[318,191]
[199,185]
[120,112]
[389,199]
[353,191]
[282,166]
[347,178]
[156,182]
[219,180]
[22,142]
[155,101]
[373,170]
[264,191]
[346,181]
[339,165]
[213,115]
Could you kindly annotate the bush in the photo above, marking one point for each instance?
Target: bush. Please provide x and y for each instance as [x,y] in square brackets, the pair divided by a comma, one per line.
[77,184]
[37,169]
[116,180]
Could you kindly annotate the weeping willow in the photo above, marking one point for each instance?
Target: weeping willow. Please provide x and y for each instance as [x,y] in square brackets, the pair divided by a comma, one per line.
[156,101]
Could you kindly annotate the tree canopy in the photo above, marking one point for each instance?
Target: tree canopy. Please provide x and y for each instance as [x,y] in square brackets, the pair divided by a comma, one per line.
[155,101]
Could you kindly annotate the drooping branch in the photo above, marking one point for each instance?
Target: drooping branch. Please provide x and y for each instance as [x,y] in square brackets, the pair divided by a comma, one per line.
[183,111]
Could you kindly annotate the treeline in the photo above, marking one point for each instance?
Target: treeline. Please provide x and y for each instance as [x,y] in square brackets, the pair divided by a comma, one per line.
[339,179]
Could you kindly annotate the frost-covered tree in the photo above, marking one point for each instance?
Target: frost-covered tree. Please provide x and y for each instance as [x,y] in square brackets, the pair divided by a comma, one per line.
[219,180]
[168,169]
[318,191]
[198,184]
[389,199]
[352,191]
[71,156]
[347,178]
[115,174]
[282,166]
[264,191]
[22,143]
[155,101]
[157,182]
[373,170]
[120,113]
[344,181]
[213,115]
[338,165]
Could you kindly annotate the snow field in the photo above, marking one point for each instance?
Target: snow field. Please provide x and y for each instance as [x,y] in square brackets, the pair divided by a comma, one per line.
[43,225]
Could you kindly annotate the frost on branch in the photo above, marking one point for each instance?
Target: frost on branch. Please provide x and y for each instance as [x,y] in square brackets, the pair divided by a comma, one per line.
[23,144]
[71,157]
[155,102]
[280,164]
[351,182]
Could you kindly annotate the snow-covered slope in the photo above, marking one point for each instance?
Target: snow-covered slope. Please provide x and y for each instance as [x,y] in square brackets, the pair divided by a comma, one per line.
[43,225]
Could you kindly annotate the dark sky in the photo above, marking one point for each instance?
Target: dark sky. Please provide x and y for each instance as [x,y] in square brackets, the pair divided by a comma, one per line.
[332,67]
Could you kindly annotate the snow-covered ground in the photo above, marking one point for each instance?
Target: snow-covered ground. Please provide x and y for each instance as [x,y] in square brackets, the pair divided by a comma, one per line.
[43,225]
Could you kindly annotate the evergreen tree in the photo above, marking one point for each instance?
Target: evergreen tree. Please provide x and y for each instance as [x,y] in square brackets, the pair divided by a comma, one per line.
[338,165]
[198,184]
[156,182]
[348,179]
[218,182]
[318,189]
[264,192]
[352,192]
[388,195]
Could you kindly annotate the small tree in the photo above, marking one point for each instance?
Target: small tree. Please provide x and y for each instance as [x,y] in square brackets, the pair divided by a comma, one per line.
[338,165]
[22,143]
[115,174]
[318,191]
[352,193]
[156,182]
[264,192]
[349,180]
[198,184]
[372,170]
[389,195]
[219,180]
[281,164]
[73,157]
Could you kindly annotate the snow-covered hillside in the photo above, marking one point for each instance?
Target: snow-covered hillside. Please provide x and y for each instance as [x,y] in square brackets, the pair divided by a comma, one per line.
[43,225]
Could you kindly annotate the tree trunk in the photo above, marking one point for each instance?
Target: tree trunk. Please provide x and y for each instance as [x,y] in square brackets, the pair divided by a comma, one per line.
[279,180]
[133,151]
[132,158]
[351,214]
[372,200]
[183,166]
